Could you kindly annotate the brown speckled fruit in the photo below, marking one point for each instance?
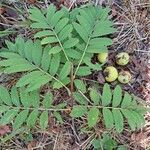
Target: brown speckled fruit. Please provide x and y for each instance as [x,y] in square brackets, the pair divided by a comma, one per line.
[110,73]
[122,58]
[124,77]
[102,57]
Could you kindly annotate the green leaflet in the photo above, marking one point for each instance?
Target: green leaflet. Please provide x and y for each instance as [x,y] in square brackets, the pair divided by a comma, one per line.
[118,119]
[44,119]
[100,42]
[58,116]
[34,98]
[8,54]
[7,63]
[8,116]
[87,61]
[56,17]
[39,25]
[93,116]
[80,85]
[81,31]
[27,50]
[95,96]
[55,62]
[65,70]
[58,85]
[37,53]
[103,28]
[59,28]
[138,119]
[3,109]
[96,143]
[46,58]
[61,105]
[31,120]
[74,54]
[20,119]
[15,96]
[95,49]
[11,46]
[84,22]
[61,24]
[36,85]
[106,95]
[117,96]
[36,15]
[78,111]
[44,33]
[79,98]
[19,68]
[20,44]
[28,78]
[127,99]
[54,50]
[84,71]
[50,12]
[65,32]
[71,42]
[48,100]
[107,142]
[49,40]
[24,96]
[5,96]
[108,118]
[130,118]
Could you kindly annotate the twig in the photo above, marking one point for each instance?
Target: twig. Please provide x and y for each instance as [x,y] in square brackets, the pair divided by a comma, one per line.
[56,141]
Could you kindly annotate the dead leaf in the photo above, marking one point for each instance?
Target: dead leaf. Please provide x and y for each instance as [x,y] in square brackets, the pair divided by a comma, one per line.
[114,12]
[101,2]
[2,10]
[138,137]
[32,1]
[31,145]
[68,110]
[144,13]
[4,130]
[101,78]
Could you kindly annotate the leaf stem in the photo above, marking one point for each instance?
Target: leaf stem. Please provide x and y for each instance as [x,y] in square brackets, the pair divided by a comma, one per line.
[82,57]
[64,109]
[71,84]
[40,109]
[69,92]
[61,45]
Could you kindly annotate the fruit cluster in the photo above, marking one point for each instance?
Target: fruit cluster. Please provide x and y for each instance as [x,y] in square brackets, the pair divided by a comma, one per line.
[111,73]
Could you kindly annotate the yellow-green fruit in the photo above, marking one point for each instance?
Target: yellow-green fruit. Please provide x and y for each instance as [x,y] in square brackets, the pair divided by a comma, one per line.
[102,57]
[122,58]
[111,74]
[124,77]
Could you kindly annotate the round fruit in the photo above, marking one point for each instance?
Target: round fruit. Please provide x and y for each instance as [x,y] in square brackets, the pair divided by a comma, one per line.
[102,57]
[111,74]
[124,77]
[122,58]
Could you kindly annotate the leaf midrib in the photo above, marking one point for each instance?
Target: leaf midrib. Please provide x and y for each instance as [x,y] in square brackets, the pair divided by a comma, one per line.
[62,109]
[59,42]
[84,52]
